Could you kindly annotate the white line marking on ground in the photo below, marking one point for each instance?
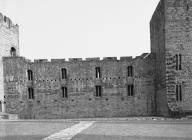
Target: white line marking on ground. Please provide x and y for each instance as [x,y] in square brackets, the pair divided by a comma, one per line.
[69,133]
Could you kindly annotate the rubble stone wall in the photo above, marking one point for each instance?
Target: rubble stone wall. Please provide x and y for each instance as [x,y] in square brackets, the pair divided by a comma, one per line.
[81,82]
[178,29]
[9,37]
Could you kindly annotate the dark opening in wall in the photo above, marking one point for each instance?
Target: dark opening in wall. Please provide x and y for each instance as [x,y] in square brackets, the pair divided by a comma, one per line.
[30,75]
[0,107]
[187,7]
[13,51]
[30,93]
[178,61]
[178,92]
[98,91]
[98,72]
[122,98]
[64,92]
[64,73]
[130,90]
[130,71]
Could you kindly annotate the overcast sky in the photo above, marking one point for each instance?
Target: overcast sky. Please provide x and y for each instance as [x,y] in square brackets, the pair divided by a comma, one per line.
[81,28]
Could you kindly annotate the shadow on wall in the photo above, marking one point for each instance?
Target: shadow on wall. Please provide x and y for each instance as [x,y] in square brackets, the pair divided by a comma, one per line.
[13,51]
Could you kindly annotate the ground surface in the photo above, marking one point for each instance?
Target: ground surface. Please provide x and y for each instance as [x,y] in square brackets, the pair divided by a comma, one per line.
[101,129]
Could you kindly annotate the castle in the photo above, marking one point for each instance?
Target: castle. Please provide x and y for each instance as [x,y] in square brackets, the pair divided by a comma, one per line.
[156,83]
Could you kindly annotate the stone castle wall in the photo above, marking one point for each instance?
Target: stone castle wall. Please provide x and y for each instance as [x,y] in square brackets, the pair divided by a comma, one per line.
[9,37]
[178,30]
[81,82]
[171,28]
[155,75]
[157,31]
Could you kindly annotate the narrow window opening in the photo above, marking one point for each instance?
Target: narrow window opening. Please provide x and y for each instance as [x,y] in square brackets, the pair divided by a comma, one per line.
[31,93]
[130,90]
[9,24]
[64,92]
[130,71]
[98,91]
[98,72]
[0,107]
[30,75]
[5,18]
[64,73]
[178,62]
[13,51]
[178,93]
[187,7]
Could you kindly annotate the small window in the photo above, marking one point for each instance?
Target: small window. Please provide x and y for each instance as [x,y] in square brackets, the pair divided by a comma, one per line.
[30,75]
[30,93]
[64,92]
[0,107]
[187,7]
[64,73]
[178,92]
[130,71]
[130,90]
[13,51]
[5,18]
[98,72]
[98,91]
[178,58]
[180,61]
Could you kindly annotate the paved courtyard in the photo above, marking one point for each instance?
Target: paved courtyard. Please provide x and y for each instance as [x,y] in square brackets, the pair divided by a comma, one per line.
[96,129]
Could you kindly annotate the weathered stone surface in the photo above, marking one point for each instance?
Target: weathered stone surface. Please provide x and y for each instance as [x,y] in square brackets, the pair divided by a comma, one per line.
[9,37]
[154,75]
[157,28]
[81,82]
[171,28]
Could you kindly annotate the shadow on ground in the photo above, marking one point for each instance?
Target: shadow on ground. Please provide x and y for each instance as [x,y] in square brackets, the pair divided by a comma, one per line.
[107,137]
[26,137]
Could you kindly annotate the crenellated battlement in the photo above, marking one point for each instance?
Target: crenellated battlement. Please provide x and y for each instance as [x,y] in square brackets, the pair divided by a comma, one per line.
[96,59]
[143,56]
[40,60]
[6,21]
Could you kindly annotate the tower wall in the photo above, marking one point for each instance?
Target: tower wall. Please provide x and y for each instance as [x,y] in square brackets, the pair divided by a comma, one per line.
[9,37]
[171,37]
[178,32]
[157,32]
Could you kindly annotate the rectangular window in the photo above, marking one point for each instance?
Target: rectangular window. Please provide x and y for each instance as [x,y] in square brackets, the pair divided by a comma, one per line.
[178,62]
[30,75]
[98,72]
[98,91]
[64,73]
[130,90]
[64,92]
[5,18]
[130,71]
[30,93]
[0,107]
[179,92]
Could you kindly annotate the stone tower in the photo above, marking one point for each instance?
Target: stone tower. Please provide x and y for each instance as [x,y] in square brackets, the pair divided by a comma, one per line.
[9,46]
[171,42]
